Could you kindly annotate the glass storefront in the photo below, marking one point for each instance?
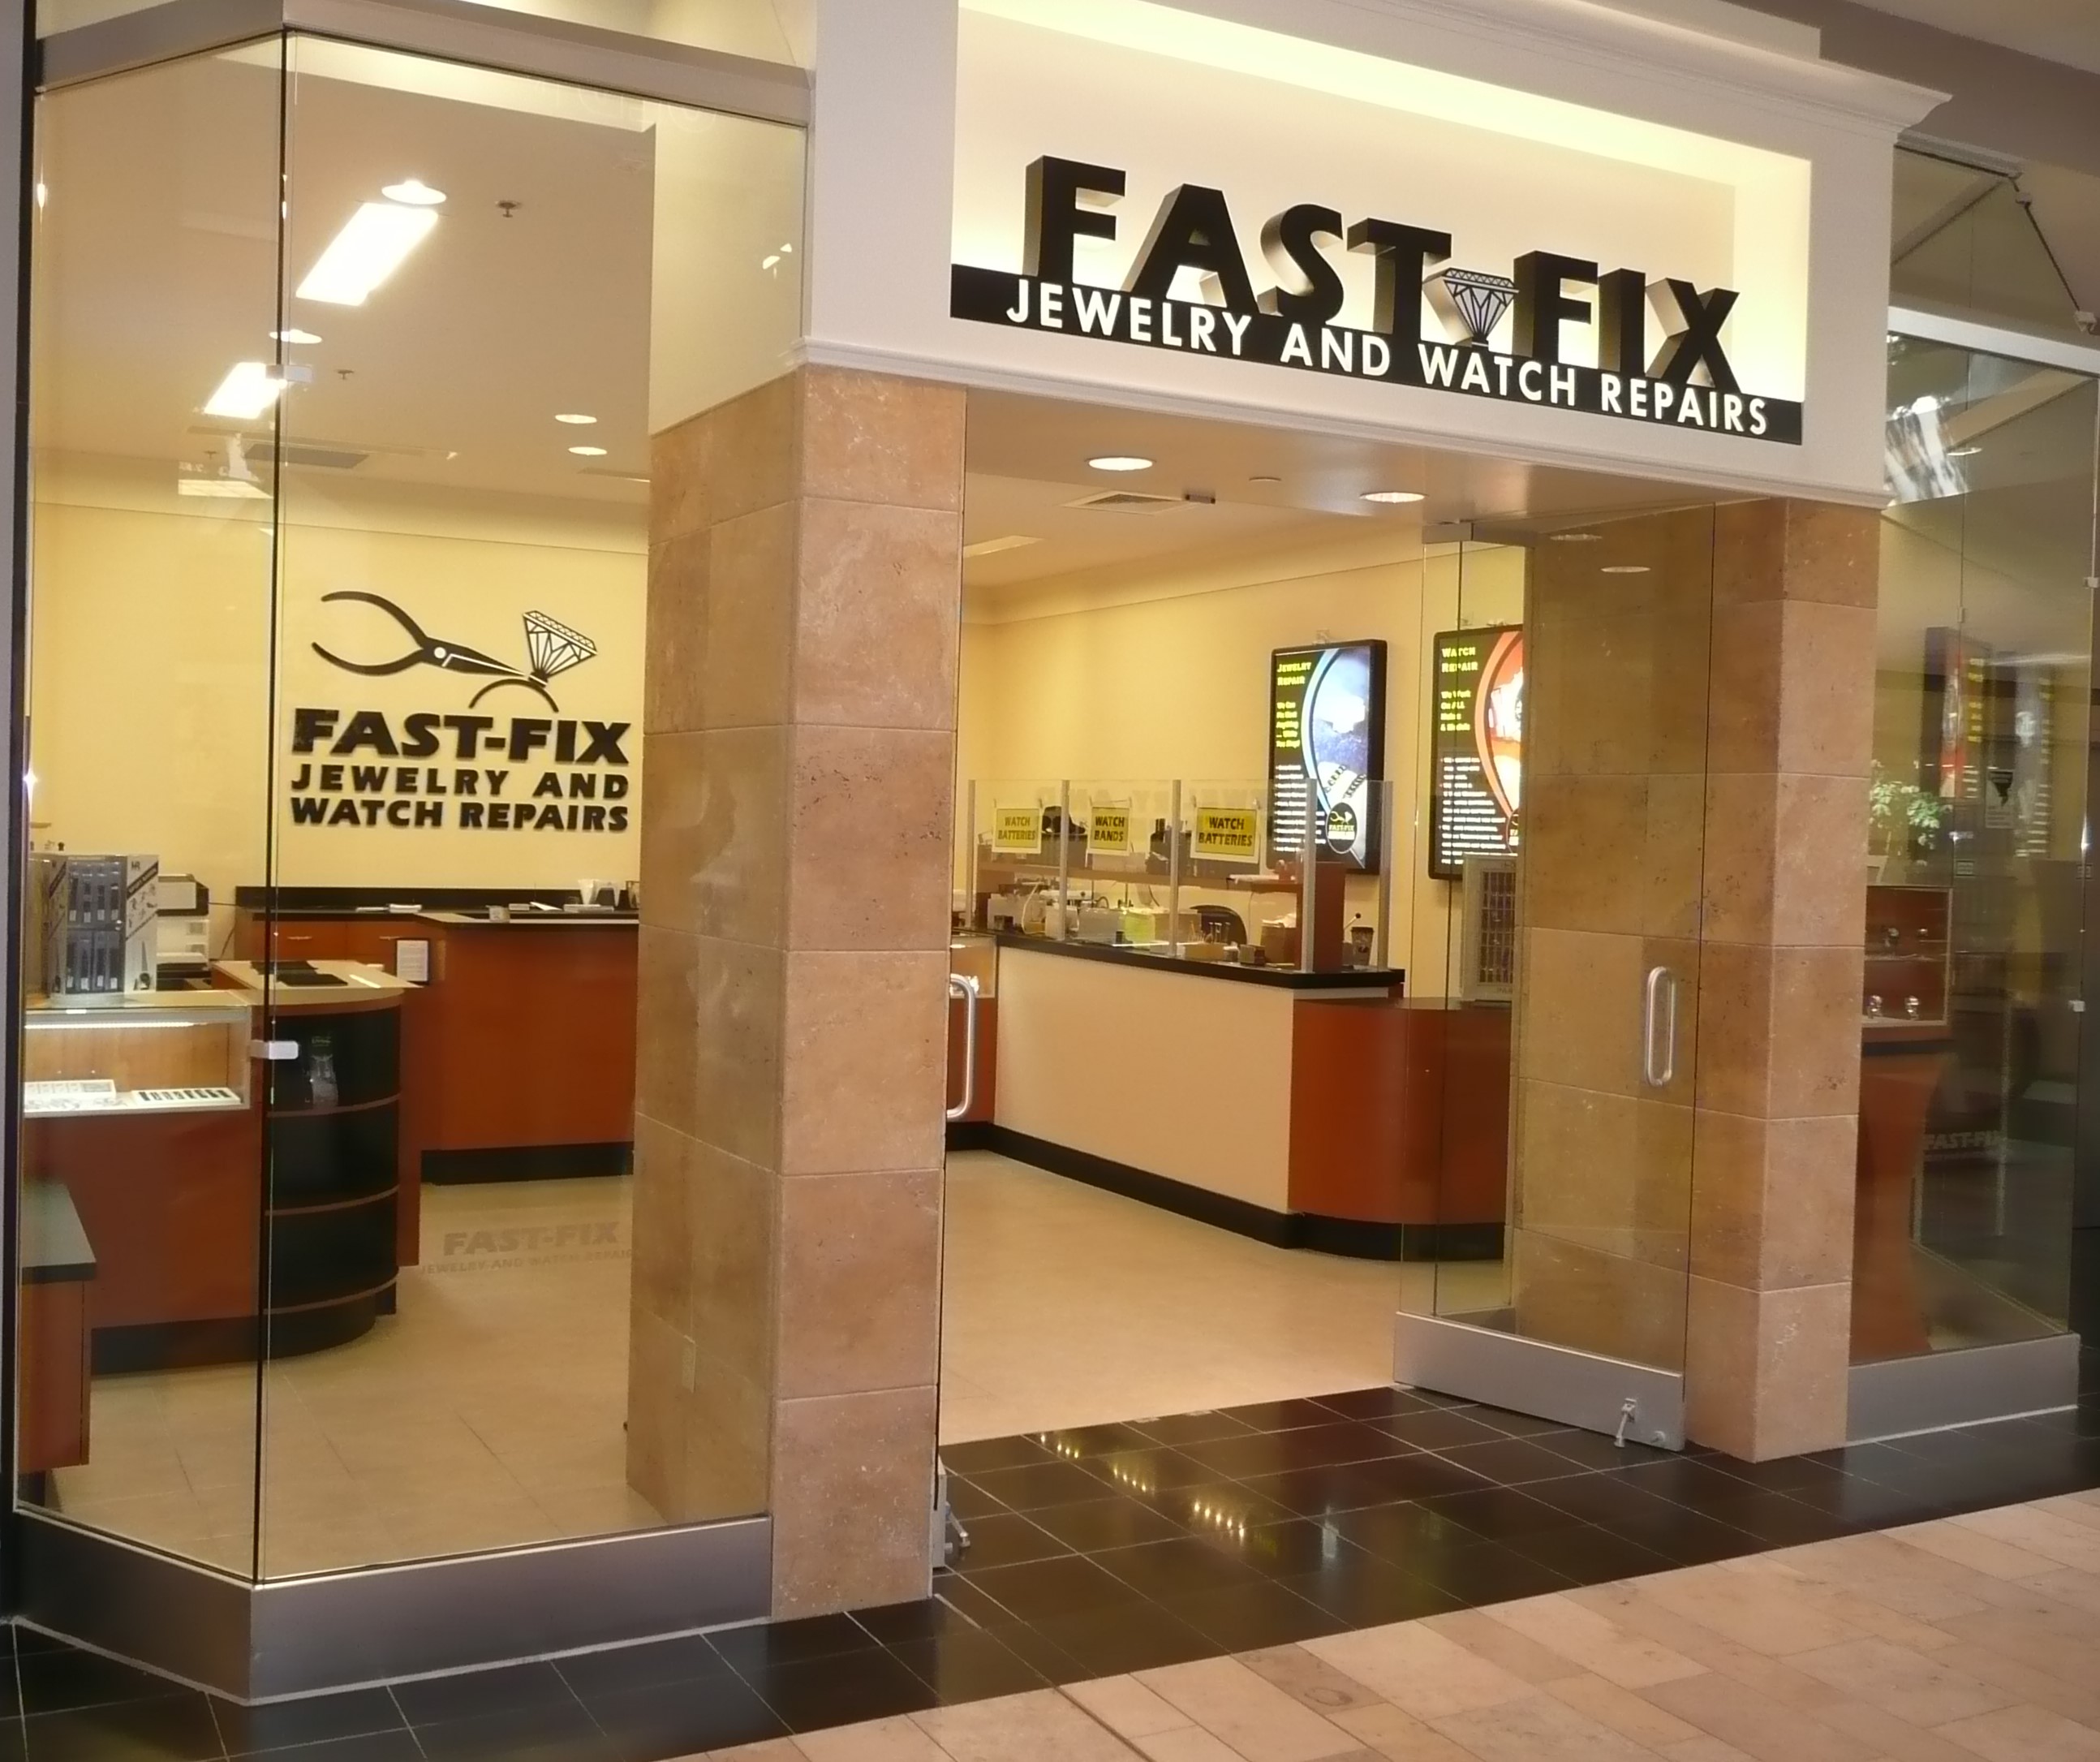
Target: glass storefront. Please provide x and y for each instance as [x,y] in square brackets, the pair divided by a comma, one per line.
[1977,861]
[346,367]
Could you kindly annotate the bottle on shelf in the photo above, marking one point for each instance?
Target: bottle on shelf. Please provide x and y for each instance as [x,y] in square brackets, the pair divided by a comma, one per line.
[321,1088]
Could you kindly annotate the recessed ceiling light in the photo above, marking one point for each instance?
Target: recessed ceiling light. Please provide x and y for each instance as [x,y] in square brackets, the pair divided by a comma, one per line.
[1392,495]
[588,453]
[576,418]
[299,339]
[989,547]
[1120,461]
[374,243]
[414,192]
[247,390]
[1573,538]
[1624,568]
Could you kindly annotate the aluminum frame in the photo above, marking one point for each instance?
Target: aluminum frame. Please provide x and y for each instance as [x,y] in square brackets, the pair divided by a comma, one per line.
[267,1641]
[1503,1370]
[1898,1398]
[446,30]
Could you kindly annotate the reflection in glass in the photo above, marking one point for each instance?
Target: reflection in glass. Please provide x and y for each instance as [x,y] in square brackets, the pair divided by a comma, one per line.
[1976,842]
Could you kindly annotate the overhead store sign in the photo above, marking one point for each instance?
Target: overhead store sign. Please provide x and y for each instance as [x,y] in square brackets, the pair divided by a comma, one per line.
[1659,355]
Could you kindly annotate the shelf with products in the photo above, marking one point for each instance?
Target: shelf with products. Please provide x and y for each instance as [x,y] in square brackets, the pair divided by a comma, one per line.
[1906,980]
[187,1054]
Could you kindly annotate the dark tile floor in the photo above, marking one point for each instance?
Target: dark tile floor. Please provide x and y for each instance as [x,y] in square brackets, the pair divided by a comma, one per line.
[1111,1548]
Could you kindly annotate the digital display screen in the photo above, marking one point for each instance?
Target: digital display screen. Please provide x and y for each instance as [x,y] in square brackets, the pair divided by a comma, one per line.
[1476,749]
[1326,748]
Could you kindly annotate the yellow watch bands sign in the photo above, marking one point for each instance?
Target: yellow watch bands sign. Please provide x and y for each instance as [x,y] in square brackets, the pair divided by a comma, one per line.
[1108,829]
[1017,831]
[1228,834]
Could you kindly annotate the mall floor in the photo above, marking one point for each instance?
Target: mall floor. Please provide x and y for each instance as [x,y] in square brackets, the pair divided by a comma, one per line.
[1379,1573]
[488,1411]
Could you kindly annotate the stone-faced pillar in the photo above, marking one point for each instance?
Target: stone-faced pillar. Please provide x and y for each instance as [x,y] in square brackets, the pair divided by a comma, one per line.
[1784,899]
[803,609]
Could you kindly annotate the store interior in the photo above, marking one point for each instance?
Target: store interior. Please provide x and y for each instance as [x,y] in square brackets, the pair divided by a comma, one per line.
[377,1299]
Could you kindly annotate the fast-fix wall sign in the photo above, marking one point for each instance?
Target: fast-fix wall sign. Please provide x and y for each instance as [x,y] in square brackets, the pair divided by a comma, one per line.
[1657,340]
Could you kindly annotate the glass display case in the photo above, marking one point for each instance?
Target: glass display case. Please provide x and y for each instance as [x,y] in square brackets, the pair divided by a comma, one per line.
[169,1055]
[1905,975]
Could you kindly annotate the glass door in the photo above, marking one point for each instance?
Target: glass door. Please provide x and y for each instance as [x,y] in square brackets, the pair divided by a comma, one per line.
[1566,848]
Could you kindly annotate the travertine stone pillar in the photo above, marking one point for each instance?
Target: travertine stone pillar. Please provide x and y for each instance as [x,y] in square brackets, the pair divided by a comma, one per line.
[804,602]
[1784,902]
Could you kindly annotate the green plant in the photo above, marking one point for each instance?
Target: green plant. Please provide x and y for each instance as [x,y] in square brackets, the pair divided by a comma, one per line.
[1901,817]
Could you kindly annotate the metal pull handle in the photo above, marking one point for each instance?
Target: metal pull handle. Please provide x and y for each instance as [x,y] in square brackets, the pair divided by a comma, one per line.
[275,1051]
[1661,987]
[963,986]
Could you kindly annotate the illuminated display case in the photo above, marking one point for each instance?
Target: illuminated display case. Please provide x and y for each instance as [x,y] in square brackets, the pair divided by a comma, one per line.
[172,1055]
[1906,975]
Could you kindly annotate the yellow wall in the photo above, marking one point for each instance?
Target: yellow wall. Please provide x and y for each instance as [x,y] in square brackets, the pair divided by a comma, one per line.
[149,669]
[1168,678]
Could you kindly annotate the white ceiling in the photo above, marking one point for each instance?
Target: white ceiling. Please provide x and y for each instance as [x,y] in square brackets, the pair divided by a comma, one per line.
[157,264]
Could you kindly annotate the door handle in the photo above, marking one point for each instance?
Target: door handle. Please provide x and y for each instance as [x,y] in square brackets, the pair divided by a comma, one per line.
[1661,990]
[963,986]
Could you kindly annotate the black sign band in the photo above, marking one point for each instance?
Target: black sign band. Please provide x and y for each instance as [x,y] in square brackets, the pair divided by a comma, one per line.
[1029,302]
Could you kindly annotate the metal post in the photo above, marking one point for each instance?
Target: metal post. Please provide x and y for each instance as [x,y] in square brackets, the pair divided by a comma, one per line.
[1309,886]
[1386,797]
[970,864]
[1174,868]
[1064,858]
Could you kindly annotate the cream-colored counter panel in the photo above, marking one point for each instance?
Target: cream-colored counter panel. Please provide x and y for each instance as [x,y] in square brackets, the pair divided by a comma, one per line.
[1178,1075]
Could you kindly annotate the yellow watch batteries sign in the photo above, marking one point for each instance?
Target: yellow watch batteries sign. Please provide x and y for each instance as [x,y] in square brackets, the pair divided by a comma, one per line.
[1108,829]
[1017,831]
[1228,834]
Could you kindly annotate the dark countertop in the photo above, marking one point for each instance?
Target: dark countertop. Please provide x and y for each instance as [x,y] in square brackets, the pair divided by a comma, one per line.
[55,1247]
[1282,978]
[532,920]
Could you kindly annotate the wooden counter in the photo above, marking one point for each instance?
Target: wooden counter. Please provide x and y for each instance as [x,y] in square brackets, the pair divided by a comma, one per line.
[1309,1110]
[58,1264]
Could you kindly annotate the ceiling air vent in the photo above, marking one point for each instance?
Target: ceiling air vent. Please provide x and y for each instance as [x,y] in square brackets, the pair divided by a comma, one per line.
[1126,502]
[321,458]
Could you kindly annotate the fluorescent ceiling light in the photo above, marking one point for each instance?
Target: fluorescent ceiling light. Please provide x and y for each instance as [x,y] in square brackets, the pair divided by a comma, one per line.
[579,420]
[247,391]
[1573,538]
[300,339]
[991,547]
[1120,461]
[1392,495]
[588,453]
[414,192]
[372,244]
[1624,568]
[223,488]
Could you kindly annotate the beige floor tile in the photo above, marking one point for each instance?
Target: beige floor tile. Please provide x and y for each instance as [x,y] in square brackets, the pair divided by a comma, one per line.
[1309,1680]
[1623,1710]
[1886,1735]
[1911,1581]
[2080,1508]
[1253,1715]
[1703,1749]
[886,1740]
[1385,1731]
[1756,1609]
[1979,1552]
[1420,1672]
[1536,1727]
[2025,1734]
[1187,1743]
[1841,1603]
[1127,1707]
[1040,1726]
[1914,1685]
[2051,1636]
[772,1749]
[2076,1699]
[1593,1643]
[1484,1637]
[2040,1532]
[1754,1723]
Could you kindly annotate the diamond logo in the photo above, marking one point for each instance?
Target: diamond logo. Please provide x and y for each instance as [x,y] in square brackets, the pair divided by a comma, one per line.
[550,648]
[1472,299]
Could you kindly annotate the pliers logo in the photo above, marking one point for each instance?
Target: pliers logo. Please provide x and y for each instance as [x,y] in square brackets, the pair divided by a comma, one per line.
[549,648]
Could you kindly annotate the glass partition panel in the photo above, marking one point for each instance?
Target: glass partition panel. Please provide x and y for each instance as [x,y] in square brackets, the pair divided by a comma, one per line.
[1965,238]
[1970,1020]
[152,513]
[1020,854]
[1236,894]
[1121,875]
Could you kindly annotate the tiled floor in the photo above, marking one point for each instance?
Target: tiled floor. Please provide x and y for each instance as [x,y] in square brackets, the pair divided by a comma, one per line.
[1295,1524]
[488,1412]
[1063,1306]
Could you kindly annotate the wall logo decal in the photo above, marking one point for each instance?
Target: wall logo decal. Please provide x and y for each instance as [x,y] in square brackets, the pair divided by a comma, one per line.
[550,648]
[1660,355]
